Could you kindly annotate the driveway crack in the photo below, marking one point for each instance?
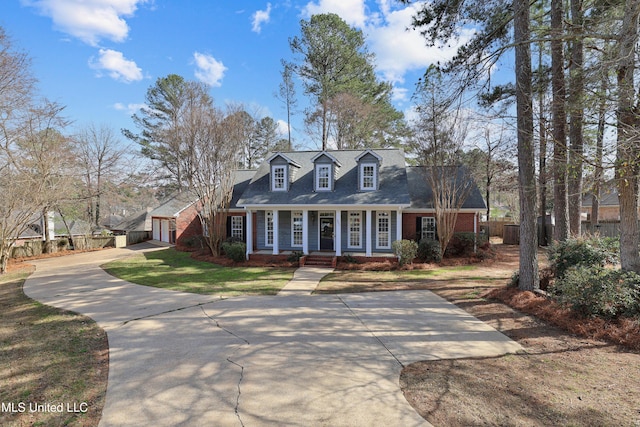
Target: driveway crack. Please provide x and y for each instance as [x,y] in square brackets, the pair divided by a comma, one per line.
[173,310]
[353,313]
[233,362]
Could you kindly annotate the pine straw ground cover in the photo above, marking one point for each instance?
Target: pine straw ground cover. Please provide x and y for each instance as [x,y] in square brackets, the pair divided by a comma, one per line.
[48,356]
[572,372]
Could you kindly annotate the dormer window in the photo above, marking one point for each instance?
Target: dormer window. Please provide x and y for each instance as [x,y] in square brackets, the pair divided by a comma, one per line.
[279,178]
[368,176]
[368,167]
[323,177]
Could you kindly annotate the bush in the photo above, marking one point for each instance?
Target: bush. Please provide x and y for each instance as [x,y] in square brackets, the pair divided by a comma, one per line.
[591,251]
[295,256]
[350,259]
[429,251]
[405,250]
[463,243]
[235,251]
[598,291]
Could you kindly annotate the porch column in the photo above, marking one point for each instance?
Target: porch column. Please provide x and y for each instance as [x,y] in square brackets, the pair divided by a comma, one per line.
[399,224]
[249,233]
[305,232]
[367,237]
[276,232]
[337,232]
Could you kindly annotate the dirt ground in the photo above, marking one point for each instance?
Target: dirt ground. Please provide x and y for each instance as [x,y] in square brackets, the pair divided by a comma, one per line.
[561,379]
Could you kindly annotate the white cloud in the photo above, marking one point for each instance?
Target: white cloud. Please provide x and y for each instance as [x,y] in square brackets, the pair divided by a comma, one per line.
[400,49]
[209,70]
[128,108]
[116,66]
[89,20]
[352,11]
[261,17]
[283,128]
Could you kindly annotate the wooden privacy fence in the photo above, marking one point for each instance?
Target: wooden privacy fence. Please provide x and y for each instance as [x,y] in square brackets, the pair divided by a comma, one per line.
[603,229]
[496,227]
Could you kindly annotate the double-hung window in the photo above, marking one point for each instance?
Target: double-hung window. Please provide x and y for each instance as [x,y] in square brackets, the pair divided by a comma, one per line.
[383,230]
[428,228]
[279,178]
[355,230]
[323,177]
[236,227]
[296,228]
[368,176]
[268,228]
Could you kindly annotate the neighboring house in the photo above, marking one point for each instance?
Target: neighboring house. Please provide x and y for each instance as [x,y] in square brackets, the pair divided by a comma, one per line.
[346,202]
[609,207]
[136,227]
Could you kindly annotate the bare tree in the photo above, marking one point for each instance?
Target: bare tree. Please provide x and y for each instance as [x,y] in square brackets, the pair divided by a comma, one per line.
[214,141]
[99,154]
[287,94]
[440,134]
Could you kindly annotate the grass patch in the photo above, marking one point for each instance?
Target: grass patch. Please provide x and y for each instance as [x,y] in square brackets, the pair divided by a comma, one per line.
[48,356]
[177,271]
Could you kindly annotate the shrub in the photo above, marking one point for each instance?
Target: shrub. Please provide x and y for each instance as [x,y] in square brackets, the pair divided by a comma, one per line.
[295,256]
[486,251]
[598,291]
[62,243]
[429,251]
[591,251]
[350,259]
[235,251]
[463,243]
[405,250]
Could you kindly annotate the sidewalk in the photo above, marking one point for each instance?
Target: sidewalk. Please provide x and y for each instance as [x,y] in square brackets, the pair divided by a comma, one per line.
[304,281]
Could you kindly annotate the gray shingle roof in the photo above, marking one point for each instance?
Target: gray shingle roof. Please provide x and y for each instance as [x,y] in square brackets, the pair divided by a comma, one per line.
[392,188]
[174,204]
[422,194]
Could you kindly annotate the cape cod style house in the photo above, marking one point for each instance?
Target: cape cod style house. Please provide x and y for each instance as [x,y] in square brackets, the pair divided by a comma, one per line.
[354,202]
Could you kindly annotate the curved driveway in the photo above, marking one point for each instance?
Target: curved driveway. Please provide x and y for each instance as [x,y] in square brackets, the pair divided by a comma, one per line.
[185,359]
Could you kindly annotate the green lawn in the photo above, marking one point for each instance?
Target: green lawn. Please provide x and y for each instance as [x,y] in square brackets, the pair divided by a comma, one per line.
[170,269]
[48,355]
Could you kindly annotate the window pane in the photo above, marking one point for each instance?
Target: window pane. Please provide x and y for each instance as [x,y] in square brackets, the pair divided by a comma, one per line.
[354,229]
[323,177]
[383,230]
[368,176]
[236,227]
[296,228]
[269,228]
[278,178]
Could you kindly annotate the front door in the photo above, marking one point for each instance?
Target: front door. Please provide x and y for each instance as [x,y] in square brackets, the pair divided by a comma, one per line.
[326,234]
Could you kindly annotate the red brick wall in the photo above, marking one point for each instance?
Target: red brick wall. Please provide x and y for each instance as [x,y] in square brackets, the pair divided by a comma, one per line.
[464,223]
[187,225]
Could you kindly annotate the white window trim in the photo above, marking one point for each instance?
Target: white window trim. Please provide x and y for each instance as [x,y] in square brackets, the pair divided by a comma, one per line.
[375,176]
[237,225]
[273,178]
[422,227]
[318,168]
[293,230]
[268,218]
[355,214]
[379,215]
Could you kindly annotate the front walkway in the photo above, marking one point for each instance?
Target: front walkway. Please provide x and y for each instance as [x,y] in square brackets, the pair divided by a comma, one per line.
[304,281]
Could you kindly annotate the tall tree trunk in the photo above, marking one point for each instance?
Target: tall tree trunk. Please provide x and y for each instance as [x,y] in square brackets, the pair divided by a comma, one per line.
[576,117]
[599,171]
[526,158]
[627,167]
[542,165]
[558,105]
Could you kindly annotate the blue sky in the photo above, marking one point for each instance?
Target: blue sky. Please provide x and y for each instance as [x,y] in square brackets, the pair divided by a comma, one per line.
[99,57]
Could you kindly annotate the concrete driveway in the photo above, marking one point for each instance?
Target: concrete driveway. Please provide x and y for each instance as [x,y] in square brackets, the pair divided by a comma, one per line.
[186,359]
